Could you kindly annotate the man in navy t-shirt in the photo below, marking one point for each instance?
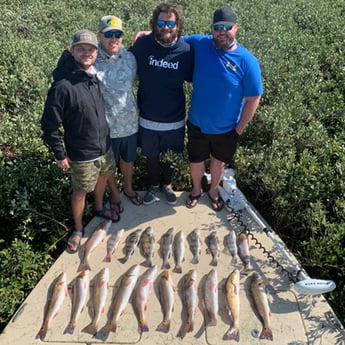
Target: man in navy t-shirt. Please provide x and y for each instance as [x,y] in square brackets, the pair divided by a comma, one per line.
[165,62]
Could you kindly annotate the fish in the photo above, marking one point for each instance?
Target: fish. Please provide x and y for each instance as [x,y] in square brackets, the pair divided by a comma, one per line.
[189,290]
[112,243]
[141,295]
[56,297]
[98,297]
[92,242]
[232,296]
[147,245]
[243,251]
[213,247]
[178,250]
[195,243]
[230,246]
[80,292]
[257,288]
[132,241]
[122,296]
[210,297]
[166,289]
[165,247]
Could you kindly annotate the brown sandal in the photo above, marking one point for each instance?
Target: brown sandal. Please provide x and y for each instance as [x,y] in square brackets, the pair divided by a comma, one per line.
[135,199]
[193,200]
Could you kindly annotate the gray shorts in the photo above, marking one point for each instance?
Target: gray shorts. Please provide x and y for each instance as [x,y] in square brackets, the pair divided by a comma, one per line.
[85,174]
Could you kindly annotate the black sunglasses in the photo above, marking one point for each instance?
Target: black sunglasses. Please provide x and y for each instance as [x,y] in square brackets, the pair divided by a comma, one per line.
[111,34]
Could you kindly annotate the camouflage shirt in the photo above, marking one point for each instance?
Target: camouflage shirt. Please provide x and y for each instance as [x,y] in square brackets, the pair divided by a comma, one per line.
[116,74]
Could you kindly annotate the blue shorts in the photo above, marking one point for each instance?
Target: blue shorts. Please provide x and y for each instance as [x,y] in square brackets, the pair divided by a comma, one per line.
[153,143]
[125,148]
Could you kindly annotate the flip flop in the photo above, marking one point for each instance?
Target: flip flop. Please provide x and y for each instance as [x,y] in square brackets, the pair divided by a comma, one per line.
[135,199]
[73,243]
[192,200]
[104,213]
[216,203]
[116,206]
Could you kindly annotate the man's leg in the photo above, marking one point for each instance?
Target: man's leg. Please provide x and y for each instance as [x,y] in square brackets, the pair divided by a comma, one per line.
[197,171]
[78,205]
[129,192]
[216,171]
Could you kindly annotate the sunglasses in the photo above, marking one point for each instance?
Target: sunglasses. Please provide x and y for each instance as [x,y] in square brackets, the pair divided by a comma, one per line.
[169,23]
[111,34]
[221,27]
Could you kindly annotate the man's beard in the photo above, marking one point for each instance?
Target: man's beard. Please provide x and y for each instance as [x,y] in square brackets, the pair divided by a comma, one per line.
[163,38]
[224,45]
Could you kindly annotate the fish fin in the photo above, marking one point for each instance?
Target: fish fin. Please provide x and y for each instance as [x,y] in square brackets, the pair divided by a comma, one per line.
[266,333]
[90,329]
[163,327]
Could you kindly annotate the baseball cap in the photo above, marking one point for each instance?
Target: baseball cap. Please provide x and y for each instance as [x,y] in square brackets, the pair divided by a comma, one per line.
[108,23]
[84,36]
[224,15]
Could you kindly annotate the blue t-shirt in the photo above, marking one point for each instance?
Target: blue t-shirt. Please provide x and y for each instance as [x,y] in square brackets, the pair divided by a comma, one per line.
[162,72]
[221,81]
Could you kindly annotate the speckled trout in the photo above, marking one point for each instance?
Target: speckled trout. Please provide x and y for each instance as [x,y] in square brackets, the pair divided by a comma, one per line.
[178,250]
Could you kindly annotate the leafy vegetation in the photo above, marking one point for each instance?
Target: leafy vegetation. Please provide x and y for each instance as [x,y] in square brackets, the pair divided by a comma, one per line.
[290,163]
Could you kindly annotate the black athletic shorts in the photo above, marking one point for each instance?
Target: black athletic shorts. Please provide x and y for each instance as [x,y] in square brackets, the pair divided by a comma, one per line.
[201,146]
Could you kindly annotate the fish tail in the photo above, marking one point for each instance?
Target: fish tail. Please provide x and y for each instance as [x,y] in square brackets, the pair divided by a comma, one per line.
[84,266]
[42,333]
[124,259]
[214,262]
[143,327]
[90,328]
[166,265]
[177,269]
[234,259]
[266,333]
[107,258]
[189,327]
[212,322]
[111,327]
[164,326]
[70,328]
[232,334]
[195,260]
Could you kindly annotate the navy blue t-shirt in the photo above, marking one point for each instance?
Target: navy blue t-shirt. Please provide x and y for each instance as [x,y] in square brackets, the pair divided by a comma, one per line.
[162,72]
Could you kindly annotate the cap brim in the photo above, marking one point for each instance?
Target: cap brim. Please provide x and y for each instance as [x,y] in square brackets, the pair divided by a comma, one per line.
[224,23]
[83,42]
[110,28]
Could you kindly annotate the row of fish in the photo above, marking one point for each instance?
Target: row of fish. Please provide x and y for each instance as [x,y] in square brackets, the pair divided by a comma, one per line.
[170,244]
[136,289]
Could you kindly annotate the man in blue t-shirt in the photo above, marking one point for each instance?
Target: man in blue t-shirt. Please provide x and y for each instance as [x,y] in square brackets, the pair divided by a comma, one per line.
[164,63]
[227,88]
